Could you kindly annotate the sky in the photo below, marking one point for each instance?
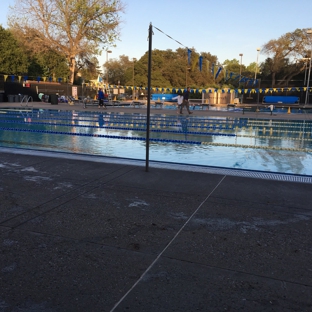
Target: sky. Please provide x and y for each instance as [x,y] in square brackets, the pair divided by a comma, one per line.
[224,28]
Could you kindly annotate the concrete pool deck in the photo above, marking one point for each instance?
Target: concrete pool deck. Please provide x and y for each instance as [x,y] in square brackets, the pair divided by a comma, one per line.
[88,235]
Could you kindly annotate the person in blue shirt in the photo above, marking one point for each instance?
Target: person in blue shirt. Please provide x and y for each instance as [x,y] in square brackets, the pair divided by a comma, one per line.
[101,98]
[185,102]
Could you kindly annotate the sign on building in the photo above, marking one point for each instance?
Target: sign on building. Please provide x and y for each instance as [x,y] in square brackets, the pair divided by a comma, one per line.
[74,92]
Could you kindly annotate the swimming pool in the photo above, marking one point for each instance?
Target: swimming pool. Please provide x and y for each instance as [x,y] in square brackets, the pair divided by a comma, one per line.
[242,143]
[261,108]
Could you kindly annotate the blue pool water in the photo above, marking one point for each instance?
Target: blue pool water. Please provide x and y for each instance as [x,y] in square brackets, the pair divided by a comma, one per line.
[243,143]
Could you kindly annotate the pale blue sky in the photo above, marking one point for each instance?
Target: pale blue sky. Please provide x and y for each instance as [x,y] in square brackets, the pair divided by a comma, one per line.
[223,28]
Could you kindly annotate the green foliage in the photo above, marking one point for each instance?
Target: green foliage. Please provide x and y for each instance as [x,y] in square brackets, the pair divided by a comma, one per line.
[49,64]
[252,67]
[71,27]
[88,69]
[117,70]
[17,59]
[13,59]
[169,68]
[233,66]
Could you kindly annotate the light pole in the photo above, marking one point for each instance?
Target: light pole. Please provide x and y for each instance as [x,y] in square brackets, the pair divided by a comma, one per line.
[258,50]
[309,32]
[118,89]
[240,74]
[305,60]
[240,67]
[108,51]
[133,92]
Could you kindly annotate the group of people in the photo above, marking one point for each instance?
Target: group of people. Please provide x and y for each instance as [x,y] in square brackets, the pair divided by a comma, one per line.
[183,100]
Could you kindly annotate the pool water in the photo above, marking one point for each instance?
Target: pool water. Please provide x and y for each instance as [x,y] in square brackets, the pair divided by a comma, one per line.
[261,108]
[242,143]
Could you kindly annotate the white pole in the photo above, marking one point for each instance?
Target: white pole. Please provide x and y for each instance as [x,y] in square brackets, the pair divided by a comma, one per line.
[241,61]
[108,51]
[133,92]
[258,50]
[240,73]
[309,32]
[308,82]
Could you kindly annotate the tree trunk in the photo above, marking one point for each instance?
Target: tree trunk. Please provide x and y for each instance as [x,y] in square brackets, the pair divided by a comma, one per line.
[273,79]
[72,65]
[287,78]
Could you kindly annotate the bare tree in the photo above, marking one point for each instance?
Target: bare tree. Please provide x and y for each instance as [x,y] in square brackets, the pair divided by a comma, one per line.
[284,53]
[71,27]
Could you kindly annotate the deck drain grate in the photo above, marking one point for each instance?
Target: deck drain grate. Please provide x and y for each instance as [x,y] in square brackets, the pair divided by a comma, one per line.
[238,173]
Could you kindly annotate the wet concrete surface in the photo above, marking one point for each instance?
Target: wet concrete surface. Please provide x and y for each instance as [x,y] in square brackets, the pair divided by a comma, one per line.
[81,235]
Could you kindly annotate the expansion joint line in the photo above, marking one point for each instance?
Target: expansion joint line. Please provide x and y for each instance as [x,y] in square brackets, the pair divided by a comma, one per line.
[167,246]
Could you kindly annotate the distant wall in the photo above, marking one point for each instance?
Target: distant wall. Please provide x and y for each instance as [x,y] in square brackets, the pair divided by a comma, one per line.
[33,88]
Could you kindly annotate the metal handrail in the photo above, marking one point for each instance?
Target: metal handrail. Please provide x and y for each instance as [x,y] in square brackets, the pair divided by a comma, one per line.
[26,98]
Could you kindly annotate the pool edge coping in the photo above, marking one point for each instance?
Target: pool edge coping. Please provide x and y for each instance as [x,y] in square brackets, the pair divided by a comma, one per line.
[165,165]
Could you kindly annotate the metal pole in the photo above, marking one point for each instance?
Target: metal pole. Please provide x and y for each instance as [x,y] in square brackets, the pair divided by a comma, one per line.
[305,73]
[258,50]
[307,91]
[107,67]
[309,32]
[258,95]
[149,74]
[133,92]
[240,73]
[240,67]
[133,82]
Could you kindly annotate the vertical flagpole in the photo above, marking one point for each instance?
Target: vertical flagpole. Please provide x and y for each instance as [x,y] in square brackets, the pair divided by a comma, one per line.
[149,74]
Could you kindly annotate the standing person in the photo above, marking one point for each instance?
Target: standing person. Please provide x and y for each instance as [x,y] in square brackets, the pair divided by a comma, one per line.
[101,97]
[41,97]
[105,98]
[179,99]
[185,103]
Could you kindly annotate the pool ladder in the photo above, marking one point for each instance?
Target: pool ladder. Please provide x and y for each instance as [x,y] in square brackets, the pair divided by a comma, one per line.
[26,113]
[26,99]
